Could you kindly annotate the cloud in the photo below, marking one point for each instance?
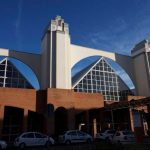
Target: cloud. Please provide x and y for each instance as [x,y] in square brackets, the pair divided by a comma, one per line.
[17,24]
[121,36]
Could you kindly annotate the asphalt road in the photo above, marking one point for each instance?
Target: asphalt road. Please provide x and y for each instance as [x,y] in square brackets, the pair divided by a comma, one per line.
[81,146]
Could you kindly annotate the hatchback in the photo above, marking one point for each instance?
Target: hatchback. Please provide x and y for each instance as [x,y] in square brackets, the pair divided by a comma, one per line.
[75,136]
[3,144]
[33,139]
[105,135]
[124,137]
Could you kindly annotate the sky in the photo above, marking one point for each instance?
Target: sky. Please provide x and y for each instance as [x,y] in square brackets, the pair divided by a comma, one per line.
[111,25]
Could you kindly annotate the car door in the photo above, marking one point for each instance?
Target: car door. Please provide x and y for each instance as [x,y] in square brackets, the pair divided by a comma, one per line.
[28,139]
[73,137]
[128,136]
[40,139]
[110,134]
[81,136]
[116,137]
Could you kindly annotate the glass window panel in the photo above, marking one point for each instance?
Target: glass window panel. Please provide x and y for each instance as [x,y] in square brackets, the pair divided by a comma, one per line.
[20,85]
[9,68]
[7,85]
[94,82]
[2,73]
[97,73]
[1,80]
[89,76]
[15,74]
[94,86]
[14,85]
[98,77]
[2,67]
[8,74]
[89,81]
[97,67]
[102,80]
[8,80]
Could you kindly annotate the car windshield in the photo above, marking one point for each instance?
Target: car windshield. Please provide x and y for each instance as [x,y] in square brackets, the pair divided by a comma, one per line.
[102,131]
[108,131]
[127,132]
[64,132]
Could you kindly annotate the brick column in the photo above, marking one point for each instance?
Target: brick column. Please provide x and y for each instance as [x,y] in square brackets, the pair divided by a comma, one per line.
[131,119]
[50,125]
[1,119]
[102,123]
[94,127]
[71,119]
[87,121]
[25,120]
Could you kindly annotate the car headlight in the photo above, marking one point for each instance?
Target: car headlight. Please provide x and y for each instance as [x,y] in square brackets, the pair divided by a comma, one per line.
[52,140]
[3,143]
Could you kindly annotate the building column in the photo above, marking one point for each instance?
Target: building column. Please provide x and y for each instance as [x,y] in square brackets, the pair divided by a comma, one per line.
[71,119]
[131,120]
[25,120]
[87,124]
[102,122]
[2,108]
[50,125]
[94,127]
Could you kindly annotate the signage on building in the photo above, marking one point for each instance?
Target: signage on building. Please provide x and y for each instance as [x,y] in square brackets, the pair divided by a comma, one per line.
[136,118]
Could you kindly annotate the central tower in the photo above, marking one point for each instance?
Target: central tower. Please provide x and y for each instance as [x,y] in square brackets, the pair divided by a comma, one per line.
[55,59]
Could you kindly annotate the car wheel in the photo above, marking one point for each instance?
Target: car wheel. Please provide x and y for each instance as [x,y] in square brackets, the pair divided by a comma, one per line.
[118,141]
[88,141]
[48,143]
[68,142]
[22,145]
[107,140]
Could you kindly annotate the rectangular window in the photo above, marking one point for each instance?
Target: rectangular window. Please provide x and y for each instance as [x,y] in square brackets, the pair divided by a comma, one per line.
[2,73]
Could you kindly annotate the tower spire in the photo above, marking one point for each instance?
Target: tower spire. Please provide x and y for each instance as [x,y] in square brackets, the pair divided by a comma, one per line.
[58,24]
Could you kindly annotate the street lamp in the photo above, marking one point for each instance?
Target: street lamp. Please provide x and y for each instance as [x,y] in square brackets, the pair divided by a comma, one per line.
[80,125]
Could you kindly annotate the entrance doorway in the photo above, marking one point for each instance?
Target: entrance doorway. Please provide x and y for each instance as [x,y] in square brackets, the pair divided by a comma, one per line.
[12,123]
[35,121]
[61,120]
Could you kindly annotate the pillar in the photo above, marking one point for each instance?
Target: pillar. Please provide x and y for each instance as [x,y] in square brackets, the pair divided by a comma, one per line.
[71,119]
[25,120]
[50,125]
[94,127]
[102,123]
[87,124]
[131,119]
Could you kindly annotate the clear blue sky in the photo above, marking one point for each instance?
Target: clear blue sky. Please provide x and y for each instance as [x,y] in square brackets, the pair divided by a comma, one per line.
[112,25]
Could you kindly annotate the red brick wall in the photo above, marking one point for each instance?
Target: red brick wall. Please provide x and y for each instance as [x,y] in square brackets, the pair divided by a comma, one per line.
[135,97]
[22,98]
[70,99]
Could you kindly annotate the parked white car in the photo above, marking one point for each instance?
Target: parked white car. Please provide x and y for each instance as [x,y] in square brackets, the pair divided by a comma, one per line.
[33,139]
[3,144]
[75,136]
[105,135]
[123,137]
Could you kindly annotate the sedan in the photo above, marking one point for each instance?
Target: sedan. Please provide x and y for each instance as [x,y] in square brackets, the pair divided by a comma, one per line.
[3,144]
[33,139]
[123,137]
[105,135]
[75,136]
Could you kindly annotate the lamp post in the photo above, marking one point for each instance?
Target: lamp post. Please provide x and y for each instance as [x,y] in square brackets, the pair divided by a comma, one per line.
[80,125]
